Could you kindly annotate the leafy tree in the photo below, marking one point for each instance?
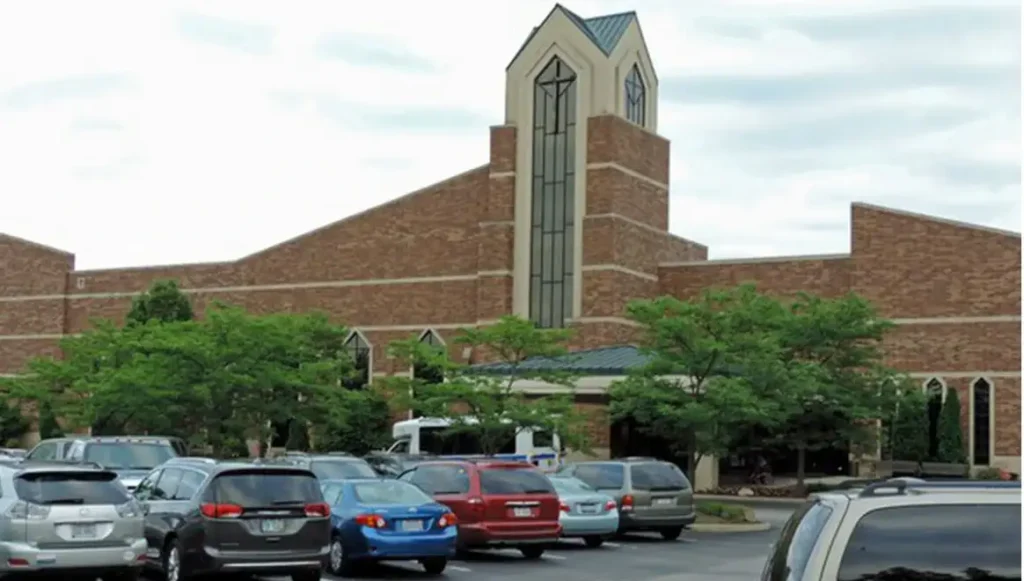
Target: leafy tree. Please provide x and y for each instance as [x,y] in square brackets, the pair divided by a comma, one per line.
[713,359]
[491,406]
[950,431]
[909,428]
[834,386]
[163,302]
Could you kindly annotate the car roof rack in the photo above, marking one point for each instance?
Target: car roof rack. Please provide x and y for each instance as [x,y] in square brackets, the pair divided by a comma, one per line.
[901,486]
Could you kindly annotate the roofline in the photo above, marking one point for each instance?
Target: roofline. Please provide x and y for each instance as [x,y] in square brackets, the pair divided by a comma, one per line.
[38,245]
[931,218]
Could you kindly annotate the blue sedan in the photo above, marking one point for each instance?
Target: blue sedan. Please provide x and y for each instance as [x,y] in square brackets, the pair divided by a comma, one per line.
[387,520]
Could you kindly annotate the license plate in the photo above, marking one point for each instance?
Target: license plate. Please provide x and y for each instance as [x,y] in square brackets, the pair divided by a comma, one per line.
[522,512]
[411,526]
[664,501]
[272,525]
[83,531]
[588,508]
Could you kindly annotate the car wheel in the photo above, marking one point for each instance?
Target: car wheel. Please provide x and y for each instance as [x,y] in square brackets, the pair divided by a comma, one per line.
[434,565]
[313,575]
[171,560]
[338,564]
[532,551]
[671,533]
[593,542]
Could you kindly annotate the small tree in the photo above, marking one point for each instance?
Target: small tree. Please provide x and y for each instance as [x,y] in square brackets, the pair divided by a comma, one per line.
[491,407]
[909,429]
[950,432]
[163,302]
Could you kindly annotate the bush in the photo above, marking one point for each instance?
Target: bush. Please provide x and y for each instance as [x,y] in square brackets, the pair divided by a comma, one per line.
[794,491]
[727,512]
[950,433]
[910,428]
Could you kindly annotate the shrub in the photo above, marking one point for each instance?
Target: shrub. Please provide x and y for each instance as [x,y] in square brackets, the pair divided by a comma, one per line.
[727,512]
[910,428]
[950,433]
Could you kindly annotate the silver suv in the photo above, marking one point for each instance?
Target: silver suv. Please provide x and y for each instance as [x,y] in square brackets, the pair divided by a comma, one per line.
[903,529]
[68,520]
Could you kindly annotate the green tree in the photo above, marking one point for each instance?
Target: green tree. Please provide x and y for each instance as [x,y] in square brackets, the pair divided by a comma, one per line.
[833,387]
[163,302]
[492,407]
[950,431]
[13,423]
[909,427]
[713,360]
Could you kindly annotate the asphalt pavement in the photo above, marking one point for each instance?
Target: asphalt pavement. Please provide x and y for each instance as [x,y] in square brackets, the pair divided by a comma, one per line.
[640,557]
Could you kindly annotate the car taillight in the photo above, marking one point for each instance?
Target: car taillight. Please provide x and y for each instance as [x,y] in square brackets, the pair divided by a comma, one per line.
[212,510]
[373,521]
[22,510]
[447,520]
[626,504]
[318,509]
[563,506]
[610,505]
[130,509]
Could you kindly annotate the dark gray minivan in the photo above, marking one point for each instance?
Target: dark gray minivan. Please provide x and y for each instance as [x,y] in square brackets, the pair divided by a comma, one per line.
[205,516]
[652,495]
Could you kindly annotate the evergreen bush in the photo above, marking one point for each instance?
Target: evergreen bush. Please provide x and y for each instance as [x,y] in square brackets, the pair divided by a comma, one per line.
[950,432]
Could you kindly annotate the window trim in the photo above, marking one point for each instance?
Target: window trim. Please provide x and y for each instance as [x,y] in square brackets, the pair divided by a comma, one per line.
[942,382]
[357,334]
[991,420]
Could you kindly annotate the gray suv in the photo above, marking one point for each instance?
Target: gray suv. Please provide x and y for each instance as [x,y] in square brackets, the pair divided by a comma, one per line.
[205,516]
[652,495]
[66,520]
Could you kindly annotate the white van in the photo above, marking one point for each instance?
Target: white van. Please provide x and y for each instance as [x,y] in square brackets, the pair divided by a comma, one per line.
[427,436]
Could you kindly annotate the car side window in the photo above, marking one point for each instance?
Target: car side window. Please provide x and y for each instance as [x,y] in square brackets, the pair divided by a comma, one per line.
[442,479]
[144,491]
[189,484]
[407,476]
[934,542]
[44,452]
[167,486]
[796,542]
[77,452]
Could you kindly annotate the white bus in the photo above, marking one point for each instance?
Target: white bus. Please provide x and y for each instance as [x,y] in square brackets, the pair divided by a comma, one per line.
[429,436]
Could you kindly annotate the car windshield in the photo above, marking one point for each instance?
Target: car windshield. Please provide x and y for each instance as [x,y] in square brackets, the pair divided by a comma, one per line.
[514,481]
[390,493]
[571,486]
[342,469]
[128,456]
[70,488]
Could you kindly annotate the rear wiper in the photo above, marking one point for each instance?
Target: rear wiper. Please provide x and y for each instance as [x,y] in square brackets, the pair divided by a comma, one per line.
[140,468]
[536,491]
[283,502]
[664,488]
[447,492]
[66,501]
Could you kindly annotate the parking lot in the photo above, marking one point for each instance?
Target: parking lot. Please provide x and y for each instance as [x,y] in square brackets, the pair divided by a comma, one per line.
[696,556]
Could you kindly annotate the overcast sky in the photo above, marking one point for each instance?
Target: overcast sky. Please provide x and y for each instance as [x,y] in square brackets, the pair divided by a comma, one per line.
[136,133]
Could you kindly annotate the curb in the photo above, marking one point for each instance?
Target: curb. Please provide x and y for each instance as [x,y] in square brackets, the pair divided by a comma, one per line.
[754,527]
[766,501]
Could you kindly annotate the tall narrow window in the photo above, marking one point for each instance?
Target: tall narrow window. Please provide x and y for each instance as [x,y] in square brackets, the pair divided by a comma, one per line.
[935,391]
[359,350]
[425,372]
[553,200]
[981,439]
[636,97]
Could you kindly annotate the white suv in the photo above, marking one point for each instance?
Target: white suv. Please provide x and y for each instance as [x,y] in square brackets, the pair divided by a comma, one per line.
[903,529]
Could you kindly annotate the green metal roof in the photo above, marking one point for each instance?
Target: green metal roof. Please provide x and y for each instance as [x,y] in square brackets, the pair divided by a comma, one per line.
[604,31]
[617,360]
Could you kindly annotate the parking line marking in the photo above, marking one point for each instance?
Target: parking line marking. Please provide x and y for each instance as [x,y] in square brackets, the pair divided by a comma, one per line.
[609,544]
[555,557]
[458,568]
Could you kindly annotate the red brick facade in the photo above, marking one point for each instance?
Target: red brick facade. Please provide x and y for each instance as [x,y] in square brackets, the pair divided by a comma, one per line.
[443,258]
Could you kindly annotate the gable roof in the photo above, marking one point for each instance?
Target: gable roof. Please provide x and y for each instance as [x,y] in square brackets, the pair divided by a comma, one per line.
[604,31]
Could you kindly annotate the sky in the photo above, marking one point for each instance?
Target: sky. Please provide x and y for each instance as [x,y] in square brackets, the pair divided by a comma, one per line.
[160,132]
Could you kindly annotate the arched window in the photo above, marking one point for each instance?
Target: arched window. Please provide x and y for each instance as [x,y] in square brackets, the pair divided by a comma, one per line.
[553,202]
[935,391]
[429,373]
[360,351]
[981,416]
[636,97]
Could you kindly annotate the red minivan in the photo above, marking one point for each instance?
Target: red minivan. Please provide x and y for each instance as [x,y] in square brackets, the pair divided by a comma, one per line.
[498,503]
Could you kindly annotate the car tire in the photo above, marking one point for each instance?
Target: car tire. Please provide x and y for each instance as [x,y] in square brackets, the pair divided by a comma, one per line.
[593,542]
[170,559]
[337,564]
[532,551]
[434,565]
[311,575]
[670,533]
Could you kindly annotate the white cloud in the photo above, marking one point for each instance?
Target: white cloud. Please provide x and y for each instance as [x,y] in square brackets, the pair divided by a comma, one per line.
[139,144]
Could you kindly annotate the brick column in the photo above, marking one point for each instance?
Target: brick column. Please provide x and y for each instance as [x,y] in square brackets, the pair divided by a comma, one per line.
[497,228]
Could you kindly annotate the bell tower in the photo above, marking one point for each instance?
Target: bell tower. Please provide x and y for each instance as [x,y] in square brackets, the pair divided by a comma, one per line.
[585,173]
